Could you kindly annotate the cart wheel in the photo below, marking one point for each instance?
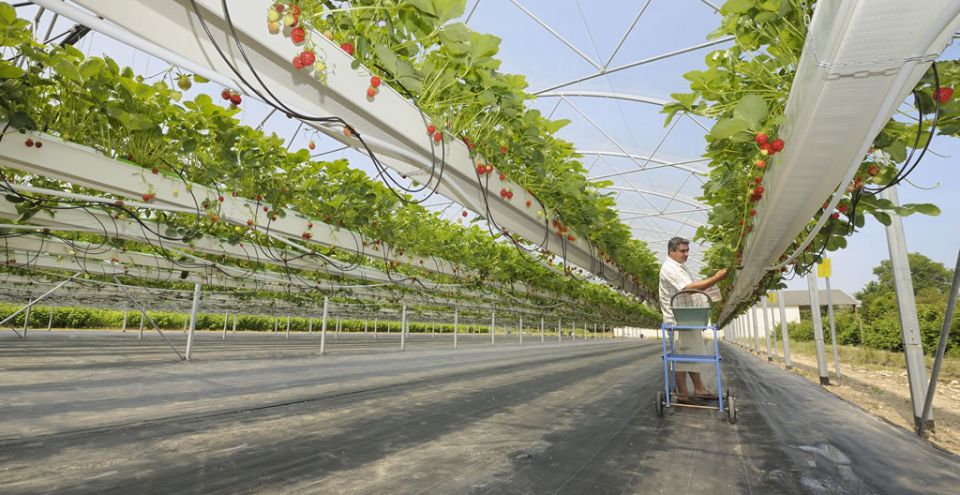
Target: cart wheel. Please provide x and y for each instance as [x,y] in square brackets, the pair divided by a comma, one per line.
[731,409]
[660,403]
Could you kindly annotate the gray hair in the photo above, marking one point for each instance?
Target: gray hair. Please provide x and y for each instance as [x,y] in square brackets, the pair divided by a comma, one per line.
[675,243]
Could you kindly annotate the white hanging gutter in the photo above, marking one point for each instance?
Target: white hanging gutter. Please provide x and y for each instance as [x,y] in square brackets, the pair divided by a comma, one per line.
[860,61]
[396,130]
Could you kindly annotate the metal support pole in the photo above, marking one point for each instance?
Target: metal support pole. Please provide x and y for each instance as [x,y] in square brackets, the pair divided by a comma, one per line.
[234,330]
[193,318]
[376,321]
[941,347]
[186,323]
[909,323]
[26,317]
[323,327]
[50,321]
[594,330]
[366,324]
[559,333]
[288,326]
[521,330]
[541,329]
[772,327]
[140,334]
[573,330]
[123,327]
[456,323]
[784,332]
[310,325]
[276,321]
[756,330]
[10,317]
[833,333]
[766,328]
[493,324]
[817,328]
[143,314]
[226,315]
[336,334]
[403,328]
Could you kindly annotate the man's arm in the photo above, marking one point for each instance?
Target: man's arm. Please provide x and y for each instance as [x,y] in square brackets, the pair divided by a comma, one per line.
[707,282]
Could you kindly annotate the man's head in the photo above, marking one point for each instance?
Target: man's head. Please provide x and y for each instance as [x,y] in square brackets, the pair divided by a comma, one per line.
[678,249]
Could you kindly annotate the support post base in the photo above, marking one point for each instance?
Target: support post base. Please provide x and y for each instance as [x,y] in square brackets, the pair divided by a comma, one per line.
[824,380]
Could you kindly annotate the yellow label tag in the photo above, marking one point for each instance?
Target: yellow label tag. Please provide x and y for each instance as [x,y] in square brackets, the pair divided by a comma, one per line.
[772,297]
[823,269]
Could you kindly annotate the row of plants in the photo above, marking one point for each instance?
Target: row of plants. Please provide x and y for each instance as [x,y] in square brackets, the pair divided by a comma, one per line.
[74,317]
[94,102]
[745,88]
[452,74]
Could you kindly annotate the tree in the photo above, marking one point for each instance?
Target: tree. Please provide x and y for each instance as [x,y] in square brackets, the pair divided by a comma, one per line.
[930,280]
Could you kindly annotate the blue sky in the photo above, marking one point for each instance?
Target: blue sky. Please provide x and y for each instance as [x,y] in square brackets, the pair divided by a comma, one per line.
[596,28]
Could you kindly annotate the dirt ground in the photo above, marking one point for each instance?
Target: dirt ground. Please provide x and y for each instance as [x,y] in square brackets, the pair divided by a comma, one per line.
[883,392]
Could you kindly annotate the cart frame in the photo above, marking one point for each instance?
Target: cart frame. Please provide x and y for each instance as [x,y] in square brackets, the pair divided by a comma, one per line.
[665,398]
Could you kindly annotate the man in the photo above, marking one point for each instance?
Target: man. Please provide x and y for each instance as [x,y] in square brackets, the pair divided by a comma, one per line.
[674,277]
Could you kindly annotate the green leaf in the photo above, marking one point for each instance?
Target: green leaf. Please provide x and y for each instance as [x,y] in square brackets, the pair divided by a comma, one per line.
[555,125]
[751,109]
[737,6]
[8,15]
[68,69]
[882,217]
[8,70]
[728,127]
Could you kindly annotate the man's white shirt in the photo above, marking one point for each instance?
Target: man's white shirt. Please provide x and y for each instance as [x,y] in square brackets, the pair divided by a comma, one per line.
[674,276]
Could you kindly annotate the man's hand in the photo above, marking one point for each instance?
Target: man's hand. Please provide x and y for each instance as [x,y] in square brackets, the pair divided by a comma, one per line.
[721,274]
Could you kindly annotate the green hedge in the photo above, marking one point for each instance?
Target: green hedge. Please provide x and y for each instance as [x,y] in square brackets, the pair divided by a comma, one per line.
[78,317]
[883,331]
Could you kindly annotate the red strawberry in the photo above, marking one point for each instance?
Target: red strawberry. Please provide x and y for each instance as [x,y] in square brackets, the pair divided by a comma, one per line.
[761,138]
[347,47]
[777,145]
[148,196]
[214,218]
[529,203]
[761,164]
[464,213]
[308,57]
[234,194]
[766,147]
[278,7]
[154,170]
[250,222]
[481,169]
[757,179]
[28,142]
[309,225]
[571,238]
[753,212]
[297,62]
[759,189]
[873,170]
[502,176]
[489,168]
[307,235]
[235,99]
[943,95]
[259,197]
[220,198]
[266,209]
[312,145]
[298,35]
[437,137]
[225,94]
[38,145]
[842,208]
[503,150]
[371,92]
[431,129]
[375,81]
[835,215]
[295,9]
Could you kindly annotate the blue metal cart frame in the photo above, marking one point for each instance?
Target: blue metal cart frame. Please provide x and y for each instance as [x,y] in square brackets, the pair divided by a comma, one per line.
[691,320]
